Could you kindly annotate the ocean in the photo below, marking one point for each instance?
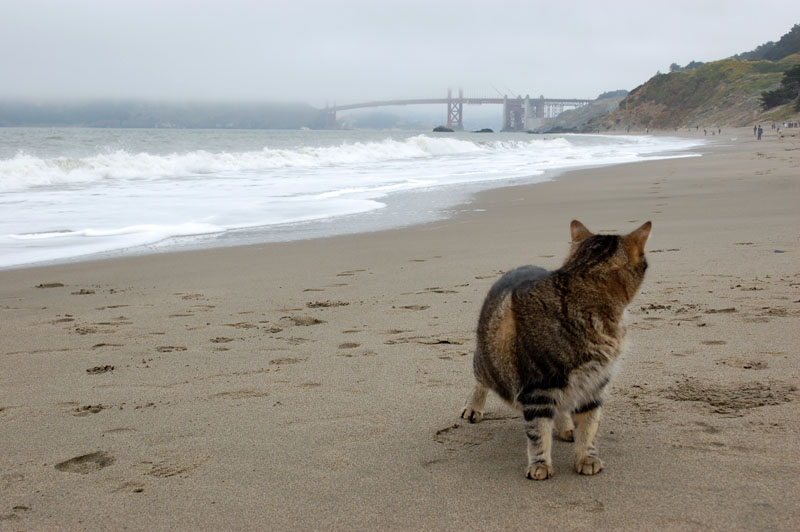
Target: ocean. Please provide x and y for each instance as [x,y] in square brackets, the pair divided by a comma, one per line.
[70,194]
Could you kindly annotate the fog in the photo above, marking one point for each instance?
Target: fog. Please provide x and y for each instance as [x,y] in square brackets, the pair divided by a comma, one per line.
[344,51]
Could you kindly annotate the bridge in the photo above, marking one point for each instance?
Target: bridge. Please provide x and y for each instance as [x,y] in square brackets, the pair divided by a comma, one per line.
[519,114]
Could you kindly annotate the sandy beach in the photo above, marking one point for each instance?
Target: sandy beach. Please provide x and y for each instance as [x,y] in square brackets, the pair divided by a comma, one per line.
[317,385]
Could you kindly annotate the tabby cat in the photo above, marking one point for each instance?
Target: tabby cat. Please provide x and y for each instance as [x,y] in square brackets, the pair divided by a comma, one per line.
[548,342]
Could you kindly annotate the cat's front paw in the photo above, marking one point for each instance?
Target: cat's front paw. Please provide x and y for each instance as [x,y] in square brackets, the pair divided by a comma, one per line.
[471,415]
[589,465]
[539,471]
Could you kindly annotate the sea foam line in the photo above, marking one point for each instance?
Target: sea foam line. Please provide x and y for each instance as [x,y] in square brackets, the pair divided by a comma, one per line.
[25,170]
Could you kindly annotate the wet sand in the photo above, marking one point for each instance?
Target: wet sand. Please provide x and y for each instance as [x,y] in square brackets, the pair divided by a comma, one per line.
[318,384]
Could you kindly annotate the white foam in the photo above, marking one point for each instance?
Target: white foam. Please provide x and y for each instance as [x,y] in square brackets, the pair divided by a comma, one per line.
[63,206]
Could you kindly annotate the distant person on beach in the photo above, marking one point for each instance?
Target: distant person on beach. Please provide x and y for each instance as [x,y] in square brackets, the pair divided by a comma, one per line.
[755,130]
[760,132]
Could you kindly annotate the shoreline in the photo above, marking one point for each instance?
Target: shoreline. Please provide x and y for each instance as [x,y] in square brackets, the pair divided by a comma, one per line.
[316,384]
[401,210]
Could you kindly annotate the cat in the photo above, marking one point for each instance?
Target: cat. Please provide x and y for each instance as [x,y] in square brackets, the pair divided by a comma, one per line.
[549,342]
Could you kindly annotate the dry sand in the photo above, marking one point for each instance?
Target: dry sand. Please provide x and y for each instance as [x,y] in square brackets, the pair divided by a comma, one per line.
[317,384]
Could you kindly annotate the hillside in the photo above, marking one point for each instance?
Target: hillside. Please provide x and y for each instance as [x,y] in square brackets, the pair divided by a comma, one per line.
[726,92]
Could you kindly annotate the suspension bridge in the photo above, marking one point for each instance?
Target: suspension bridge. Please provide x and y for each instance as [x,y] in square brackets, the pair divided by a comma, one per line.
[519,113]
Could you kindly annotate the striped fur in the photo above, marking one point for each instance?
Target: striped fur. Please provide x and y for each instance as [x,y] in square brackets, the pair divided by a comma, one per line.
[549,342]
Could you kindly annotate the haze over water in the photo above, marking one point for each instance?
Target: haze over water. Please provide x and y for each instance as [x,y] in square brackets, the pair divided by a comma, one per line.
[70,194]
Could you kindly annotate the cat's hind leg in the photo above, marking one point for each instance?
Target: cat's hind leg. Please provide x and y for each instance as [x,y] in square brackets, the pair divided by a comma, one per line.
[473,410]
[587,461]
[565,428]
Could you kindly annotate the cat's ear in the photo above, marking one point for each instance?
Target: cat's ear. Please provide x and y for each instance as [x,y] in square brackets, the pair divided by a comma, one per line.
[578,231]
[640,236]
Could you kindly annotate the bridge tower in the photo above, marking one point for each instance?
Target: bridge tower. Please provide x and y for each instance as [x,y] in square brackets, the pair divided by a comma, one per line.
[535,112]
[513,114]
[330,118]
[455,110]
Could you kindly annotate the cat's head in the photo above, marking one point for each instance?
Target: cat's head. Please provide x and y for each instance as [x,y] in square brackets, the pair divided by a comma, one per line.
[592,252]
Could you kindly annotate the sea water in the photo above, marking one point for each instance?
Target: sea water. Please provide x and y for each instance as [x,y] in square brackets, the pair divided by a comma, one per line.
[74,193]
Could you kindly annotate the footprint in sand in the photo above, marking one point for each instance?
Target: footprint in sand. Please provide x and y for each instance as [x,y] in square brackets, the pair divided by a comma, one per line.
[100,345]
[119,320]
[294,340]
[281,361]
[50,285]
[191,297]
[130,487]
[490,276]
[732,399]
[111,307]
[221,340]
[118,430]
[396,331]
[242,325]
[171,467]
[326,304]
[436,290]
[416,307]
[301,321]
[459,436]
[351,354]
[239,394]
[349,273]
[728,310]
[349,345]
[10,478]
[86,463]
[85,410]
[170,348]
[83,292]
[100,369]
[744,364]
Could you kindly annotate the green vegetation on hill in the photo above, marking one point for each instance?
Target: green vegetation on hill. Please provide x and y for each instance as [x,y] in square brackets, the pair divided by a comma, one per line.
[774,51]
[725,92]
[788,92]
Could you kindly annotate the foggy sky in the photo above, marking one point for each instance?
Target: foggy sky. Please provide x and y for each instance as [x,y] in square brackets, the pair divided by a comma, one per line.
[347,51]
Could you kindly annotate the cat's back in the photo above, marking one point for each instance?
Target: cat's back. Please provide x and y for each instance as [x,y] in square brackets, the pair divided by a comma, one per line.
[497,322]
[515,279]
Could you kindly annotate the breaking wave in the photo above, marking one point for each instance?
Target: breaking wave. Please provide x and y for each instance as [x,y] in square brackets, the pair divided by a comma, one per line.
[24,170]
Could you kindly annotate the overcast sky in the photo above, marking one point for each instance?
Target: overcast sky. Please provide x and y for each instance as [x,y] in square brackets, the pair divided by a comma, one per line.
[349,51]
